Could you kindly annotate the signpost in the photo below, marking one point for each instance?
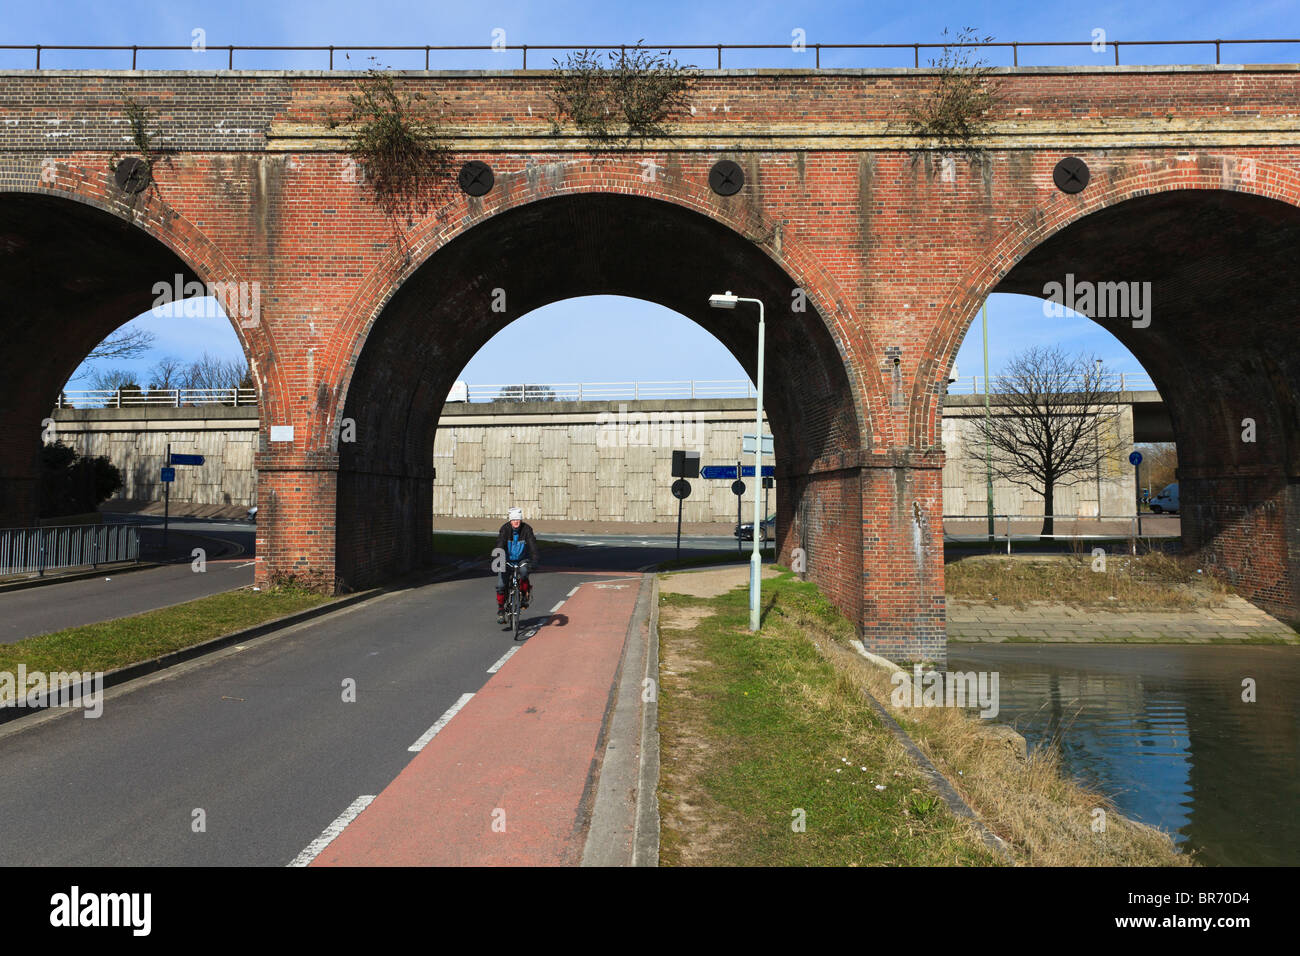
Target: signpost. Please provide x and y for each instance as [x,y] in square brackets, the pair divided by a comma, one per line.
[681,491]
[169,476]
[1135,459]
[738,489]
[719,471]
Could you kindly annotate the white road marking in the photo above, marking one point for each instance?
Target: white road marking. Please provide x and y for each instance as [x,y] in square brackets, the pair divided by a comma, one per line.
[442,722]
[557,607]
[331,832]
[611,587]
[246,565]
[573,592]
[504,657]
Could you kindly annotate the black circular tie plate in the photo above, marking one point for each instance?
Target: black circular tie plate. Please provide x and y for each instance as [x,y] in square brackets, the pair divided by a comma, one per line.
[1071,175]
[476,178]
[681,488]
[726,178]
[131,175]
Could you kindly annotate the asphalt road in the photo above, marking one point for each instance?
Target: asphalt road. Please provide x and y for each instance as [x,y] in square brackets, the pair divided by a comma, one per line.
[258,738]
[52,607]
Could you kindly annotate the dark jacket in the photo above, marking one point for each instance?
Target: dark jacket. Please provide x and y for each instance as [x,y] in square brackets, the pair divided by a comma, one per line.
[526,534]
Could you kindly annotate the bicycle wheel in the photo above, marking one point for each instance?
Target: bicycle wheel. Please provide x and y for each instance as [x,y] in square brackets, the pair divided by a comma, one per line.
[514,608]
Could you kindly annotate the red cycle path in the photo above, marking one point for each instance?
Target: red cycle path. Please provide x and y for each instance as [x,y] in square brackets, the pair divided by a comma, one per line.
[504,782]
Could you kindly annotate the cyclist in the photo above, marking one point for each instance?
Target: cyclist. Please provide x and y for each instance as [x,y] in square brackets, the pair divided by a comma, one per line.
[515,538]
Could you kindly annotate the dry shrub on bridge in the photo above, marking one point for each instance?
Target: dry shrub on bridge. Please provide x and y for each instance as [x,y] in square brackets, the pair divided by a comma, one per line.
[951,114]
[400,150]
[635,97]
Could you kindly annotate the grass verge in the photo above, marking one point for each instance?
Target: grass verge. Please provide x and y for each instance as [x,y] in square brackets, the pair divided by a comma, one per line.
[109,645]
[755,727]
[760,737]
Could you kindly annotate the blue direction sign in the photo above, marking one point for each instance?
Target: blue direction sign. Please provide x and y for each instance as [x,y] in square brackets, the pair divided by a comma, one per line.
[719,471]
[1135,458]
[747,471]
[169,474]
[186,459]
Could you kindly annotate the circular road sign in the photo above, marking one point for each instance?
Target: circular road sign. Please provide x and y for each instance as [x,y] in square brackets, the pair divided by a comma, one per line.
[681,488]
[1135,458]
[737,487]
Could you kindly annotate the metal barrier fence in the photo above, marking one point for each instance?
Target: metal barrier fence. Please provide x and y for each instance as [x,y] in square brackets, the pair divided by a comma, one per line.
[23,550]
[713,50]
[610,391]
[1111,382]
[166,397]
[1004,531]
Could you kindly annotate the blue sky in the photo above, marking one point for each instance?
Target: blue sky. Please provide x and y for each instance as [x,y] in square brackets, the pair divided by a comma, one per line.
[559,338]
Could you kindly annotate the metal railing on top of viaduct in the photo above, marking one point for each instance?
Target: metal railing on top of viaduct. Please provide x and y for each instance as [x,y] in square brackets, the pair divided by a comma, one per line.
[1015,46]
[541,392]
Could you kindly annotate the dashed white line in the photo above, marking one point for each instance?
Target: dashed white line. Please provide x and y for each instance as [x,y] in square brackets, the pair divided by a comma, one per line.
[442,722]
[332,831]
[573,592]
[558,606]
[504,657]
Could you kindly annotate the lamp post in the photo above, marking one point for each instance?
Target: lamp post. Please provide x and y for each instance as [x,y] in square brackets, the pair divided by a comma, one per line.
[728,301]
[988,425]
[1096,439]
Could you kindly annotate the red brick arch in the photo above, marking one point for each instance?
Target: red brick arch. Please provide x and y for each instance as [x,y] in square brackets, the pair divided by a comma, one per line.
[1058,212]
[460,214]
[159,220]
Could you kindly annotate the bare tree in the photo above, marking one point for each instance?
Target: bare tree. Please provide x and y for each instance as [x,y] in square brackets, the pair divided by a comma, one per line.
[212,372]
[122,344]
[111,379]
[1159,465]
[166,373]
[1053,423]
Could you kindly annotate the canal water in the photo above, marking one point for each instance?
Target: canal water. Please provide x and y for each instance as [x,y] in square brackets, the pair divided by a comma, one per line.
[1163,730]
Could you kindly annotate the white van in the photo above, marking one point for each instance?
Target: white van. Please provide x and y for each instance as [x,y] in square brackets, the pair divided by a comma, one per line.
[459,392]
[1167,500]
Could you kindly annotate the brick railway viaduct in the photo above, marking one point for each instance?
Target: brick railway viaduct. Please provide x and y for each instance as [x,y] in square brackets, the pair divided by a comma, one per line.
[1195,181]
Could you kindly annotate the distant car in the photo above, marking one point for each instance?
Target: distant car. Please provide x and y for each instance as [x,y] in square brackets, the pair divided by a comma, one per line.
[1167,500]
[745,532]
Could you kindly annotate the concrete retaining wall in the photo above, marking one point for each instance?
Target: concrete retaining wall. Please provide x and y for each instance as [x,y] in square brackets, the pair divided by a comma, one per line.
[582,461]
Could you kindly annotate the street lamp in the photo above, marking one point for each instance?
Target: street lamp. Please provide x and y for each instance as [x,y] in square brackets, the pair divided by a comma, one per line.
[728,301]
[1096,439]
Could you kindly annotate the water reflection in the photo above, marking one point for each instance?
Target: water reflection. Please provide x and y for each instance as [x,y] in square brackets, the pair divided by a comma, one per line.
[1163,730]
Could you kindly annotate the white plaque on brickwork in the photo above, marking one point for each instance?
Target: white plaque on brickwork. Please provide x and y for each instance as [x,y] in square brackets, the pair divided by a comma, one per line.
[282,433]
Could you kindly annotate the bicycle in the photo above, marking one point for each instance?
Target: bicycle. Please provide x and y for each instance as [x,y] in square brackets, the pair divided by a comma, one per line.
[514,598]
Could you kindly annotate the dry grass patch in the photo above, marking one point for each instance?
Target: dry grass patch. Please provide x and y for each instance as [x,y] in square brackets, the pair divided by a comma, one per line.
[1148,581]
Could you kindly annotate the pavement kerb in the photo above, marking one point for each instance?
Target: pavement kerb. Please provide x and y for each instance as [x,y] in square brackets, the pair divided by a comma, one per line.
[78,576]
[645,839]
[617,830]
[136,671]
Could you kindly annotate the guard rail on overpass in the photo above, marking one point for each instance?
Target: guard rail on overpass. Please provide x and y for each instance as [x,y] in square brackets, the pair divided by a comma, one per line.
[1102,45]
